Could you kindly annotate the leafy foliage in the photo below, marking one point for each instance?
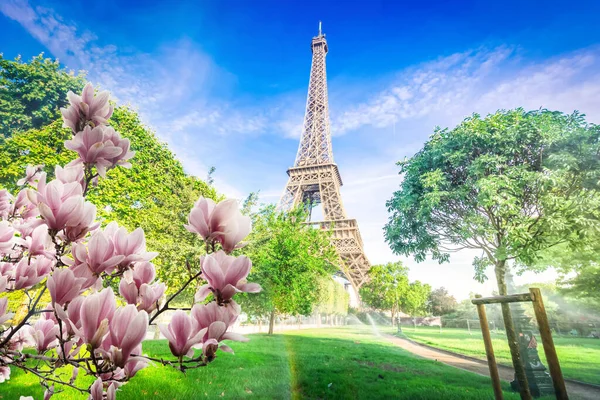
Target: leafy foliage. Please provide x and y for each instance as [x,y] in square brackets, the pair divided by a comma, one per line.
[289,260]
[585,263]
[388,289]
[511,185]
[440,302]
[31,94]
[333,298]
[415,300]
[155,194]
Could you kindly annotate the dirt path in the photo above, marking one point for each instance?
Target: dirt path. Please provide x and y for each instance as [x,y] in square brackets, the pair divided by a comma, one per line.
[575,390]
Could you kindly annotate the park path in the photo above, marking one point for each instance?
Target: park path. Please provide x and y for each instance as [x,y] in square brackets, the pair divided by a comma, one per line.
[575,390]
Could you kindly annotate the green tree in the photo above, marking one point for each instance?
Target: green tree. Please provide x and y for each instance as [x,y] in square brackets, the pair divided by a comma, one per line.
[154,194]
[289,257]
[414,301]
[584,285]
[510,185]
[31,94]
[440,302]
[584,263]
[387,288]
[333,298]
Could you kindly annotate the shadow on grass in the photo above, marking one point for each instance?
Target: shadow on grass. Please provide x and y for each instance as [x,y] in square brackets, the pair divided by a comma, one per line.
[311,364]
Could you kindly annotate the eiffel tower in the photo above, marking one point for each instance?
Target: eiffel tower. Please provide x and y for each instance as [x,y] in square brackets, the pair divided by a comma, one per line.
[315,177]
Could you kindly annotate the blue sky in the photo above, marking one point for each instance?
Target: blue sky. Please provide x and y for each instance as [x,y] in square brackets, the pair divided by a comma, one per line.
[224,82]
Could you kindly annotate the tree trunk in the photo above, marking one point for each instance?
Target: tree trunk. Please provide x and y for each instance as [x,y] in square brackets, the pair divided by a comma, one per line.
[511,333]
[271,322]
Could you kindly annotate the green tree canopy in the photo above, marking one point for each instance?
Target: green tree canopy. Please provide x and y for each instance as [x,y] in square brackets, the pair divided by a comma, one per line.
[154,194]
[415,299]
[31,94]
[289,258]
[387,287]
[511,185]
[583,262]
[440,302]
[333,298]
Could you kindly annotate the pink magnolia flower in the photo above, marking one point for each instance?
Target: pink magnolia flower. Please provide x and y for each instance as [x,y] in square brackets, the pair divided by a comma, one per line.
[4,374]
[217,331]
[69,174]
[181,334]
[136,289]
[32,172]
[40,243]
[132,246]
[45,334]
[128,328]
[30,272]
[7,271]
[5,204]
[206,314]
[226,276]
[93,149]
[97,390]
[26,228]
[101,255]
[4,316]
[150,295]
[24,208]
[64,286]
[222,223]
[85,225]
[143,272]
[110,135]
[3,282]
[86,109]
[78,264]
[217,319]
[96,312]
[72,315]
[129,291]
[59,204]
[7,234]
[134,364]
[21,339]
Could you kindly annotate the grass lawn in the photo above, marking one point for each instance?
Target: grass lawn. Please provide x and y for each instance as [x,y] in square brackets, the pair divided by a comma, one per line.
[342,363]
[579,357]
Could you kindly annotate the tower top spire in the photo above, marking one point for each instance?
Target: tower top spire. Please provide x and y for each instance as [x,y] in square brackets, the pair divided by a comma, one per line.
[320,33]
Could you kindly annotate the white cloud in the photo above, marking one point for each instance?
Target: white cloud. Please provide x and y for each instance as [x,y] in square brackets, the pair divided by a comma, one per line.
[447,90]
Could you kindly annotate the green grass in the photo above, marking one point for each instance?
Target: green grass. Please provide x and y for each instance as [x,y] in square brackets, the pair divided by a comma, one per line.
[579,357]
[343,363]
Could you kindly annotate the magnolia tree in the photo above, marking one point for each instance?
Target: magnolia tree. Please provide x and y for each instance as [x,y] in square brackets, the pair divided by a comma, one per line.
[51,243]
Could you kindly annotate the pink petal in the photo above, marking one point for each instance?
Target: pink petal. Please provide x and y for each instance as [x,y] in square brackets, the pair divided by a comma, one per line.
[202,293]
[238,270]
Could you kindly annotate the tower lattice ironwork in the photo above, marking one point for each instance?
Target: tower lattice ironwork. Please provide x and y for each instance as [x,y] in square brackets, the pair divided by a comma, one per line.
[315,179]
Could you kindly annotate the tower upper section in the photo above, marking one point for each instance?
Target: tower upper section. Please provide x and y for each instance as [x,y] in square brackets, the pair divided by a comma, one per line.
[315,143]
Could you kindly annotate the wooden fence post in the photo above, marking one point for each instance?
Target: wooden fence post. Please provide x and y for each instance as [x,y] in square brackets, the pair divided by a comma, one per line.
[546,335]
[489,351]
